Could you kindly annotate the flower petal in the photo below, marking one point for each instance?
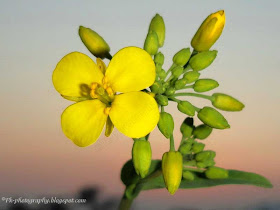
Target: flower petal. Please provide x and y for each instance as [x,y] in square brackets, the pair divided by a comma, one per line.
[131,69]
[135,114]
[74,75]
[83,122]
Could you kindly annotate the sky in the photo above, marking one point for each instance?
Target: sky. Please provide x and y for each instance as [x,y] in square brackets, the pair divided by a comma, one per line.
[36,157]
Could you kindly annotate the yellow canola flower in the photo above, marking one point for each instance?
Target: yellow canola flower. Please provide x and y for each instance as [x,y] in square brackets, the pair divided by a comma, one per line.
[209,31]
[113,95]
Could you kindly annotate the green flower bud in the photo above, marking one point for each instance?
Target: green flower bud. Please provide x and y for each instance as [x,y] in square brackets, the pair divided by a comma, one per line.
[186,108]
[94,43]
[155,87]
[205,155]
[187,127]
[202,131]
[159,58]
[188,175]
[172,166]
[209,31]
[158,67]
[216,173]
[179,84]
[200,165]
[162,100]
[197,147]
[162,89]
[212,118]
[157,25]
[162,74]
[182,57]
[177,71]
[190,163]
[166,124]
[202,60]
[151,43]
[191,76]
[185,148]
[209,162]
[141,157]
[226,102]
[170,91]
[203,85]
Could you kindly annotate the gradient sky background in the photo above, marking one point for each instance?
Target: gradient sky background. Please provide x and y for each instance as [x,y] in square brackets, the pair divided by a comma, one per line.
[36,157]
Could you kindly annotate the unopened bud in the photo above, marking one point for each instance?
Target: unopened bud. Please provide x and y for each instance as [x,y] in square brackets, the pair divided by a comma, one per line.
[202,60]
[188,175]
[203,85]
[182,57]
[151,43]
[155,87]
[197,147]
[209,31]
[205,155]
[185,148]
[226,102]
[216,173]
[172,166]
[187,127]
[141,156]
[177,71]
[162,74]
[166,124]
[212,118]
[170,91]
[162,100]
[94,43]
[186,108]
[157,25]
[191,76]
[180,83]
[202,131]
[159,58]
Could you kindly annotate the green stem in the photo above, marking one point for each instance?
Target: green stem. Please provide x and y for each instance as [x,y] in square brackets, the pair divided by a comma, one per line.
[172,146]
[170,78]
[162,108]
[187,87]
[125,203]
[169,70]
[174,99]
[187,68]
[194,169]
[194,94]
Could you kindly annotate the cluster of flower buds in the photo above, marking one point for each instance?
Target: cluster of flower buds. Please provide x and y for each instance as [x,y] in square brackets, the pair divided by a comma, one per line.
[183,76]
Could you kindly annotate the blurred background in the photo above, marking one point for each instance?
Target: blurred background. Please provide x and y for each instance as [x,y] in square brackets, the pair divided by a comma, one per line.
[37,160]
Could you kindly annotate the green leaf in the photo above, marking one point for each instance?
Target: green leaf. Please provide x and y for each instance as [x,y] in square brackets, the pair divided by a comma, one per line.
[154,180]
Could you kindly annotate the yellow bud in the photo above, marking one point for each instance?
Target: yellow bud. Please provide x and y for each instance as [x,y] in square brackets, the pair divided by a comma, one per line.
[141,156]
[157,25]
[94,42]
[209,31]
[172,166]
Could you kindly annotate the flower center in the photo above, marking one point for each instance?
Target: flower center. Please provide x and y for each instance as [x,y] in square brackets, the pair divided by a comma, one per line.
[104,93]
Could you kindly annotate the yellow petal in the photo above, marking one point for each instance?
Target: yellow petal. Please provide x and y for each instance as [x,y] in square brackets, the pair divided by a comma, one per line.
[83,122]
[131,69]
[135,114]
[74,75]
